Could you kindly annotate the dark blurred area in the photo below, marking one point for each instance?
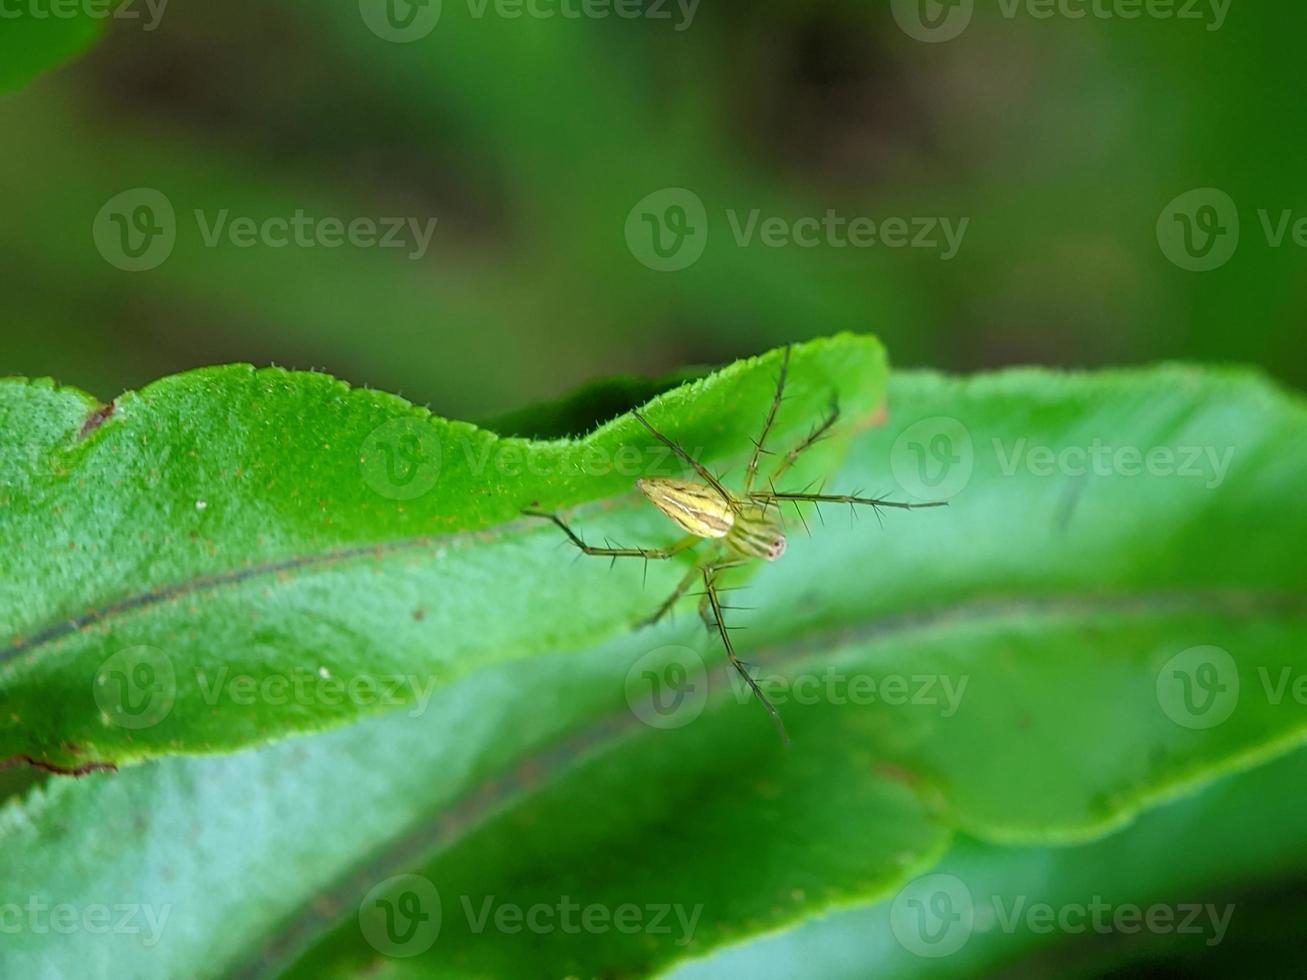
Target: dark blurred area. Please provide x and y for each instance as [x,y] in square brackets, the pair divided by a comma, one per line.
[1051,147]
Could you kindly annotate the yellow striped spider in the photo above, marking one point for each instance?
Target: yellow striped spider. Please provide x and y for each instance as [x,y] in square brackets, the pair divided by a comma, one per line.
[739,528]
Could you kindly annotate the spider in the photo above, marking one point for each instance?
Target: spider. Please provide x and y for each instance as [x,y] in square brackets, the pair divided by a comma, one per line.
[740,528]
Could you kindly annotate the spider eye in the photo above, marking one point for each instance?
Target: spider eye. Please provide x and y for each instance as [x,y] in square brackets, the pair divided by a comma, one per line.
[777,548]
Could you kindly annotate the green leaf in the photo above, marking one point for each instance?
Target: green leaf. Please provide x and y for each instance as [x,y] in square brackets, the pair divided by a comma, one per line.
[586,408]
[39,36]
[232,555]
[1054,607]
[1198,852]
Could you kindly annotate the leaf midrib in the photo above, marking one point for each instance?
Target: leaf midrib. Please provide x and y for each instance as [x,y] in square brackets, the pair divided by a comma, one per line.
[144,599]
[448,825]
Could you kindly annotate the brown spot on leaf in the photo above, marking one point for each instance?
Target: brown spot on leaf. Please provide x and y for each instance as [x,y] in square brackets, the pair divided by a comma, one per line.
[95,420]
[82,770]
[897,773]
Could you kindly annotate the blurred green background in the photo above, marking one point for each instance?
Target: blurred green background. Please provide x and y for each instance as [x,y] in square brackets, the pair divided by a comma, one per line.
[1060,141]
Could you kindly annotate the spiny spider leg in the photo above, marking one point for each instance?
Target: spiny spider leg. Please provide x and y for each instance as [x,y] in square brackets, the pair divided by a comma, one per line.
[769,497]
[814,437]
[649,554]
[752,470]
[710,593]
[670,601]
[697,466]
[704,602]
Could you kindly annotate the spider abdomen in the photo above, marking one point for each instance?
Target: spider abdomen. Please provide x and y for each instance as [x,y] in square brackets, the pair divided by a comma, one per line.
[701,510]
[696,507]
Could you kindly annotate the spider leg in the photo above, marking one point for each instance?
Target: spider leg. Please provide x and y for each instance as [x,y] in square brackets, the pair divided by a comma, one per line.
[770,497]
[649,554]
[705,474]
[705,606]
[714,602]
[666,606]
[752,470]
[817,434]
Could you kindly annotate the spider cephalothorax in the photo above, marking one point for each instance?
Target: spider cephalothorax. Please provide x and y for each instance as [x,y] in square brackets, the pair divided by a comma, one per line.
[739,527]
